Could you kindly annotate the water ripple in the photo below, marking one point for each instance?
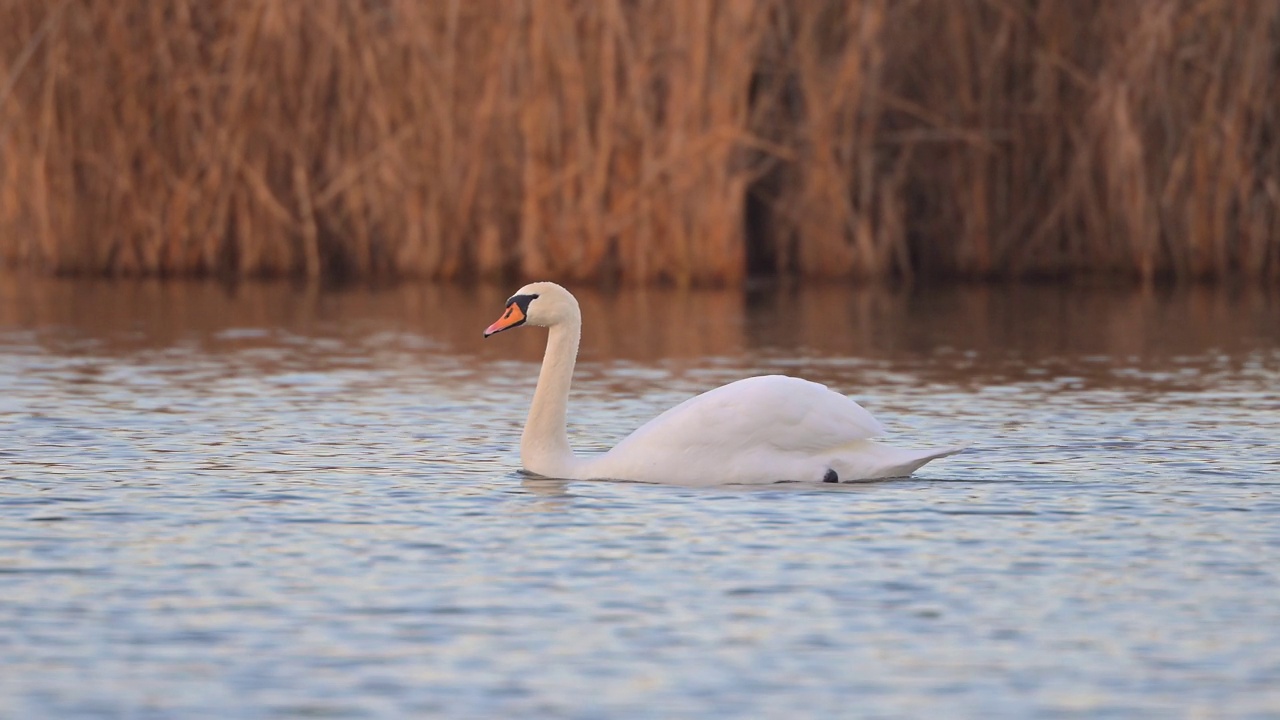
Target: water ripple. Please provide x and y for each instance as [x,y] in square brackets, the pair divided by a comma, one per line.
[327,520]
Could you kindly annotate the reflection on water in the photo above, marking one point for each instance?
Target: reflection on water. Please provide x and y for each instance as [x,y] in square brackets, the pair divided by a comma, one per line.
[655,324]
[270,500]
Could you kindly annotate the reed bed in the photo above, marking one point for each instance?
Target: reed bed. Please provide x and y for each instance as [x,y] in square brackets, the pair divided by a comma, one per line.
[641,141]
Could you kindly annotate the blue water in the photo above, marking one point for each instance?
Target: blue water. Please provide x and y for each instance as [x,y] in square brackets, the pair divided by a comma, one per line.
[265,502]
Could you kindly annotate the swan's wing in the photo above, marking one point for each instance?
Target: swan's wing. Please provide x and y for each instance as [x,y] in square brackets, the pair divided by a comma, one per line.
[772,411]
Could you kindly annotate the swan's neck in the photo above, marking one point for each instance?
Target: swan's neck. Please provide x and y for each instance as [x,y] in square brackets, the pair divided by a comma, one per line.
[544,447]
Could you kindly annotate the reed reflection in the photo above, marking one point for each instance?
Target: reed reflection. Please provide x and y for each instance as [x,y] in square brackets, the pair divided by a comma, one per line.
[954,334]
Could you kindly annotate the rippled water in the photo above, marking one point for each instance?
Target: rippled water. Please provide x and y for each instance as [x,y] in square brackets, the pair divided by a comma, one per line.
[268,501]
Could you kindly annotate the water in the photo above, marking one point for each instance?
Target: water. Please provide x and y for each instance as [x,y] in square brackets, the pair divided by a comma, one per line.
[270,501]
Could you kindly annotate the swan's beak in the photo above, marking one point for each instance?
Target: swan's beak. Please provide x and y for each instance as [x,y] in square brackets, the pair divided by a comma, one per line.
[512,317]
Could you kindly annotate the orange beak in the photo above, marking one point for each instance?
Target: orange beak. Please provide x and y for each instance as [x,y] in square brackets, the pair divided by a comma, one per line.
[512,317]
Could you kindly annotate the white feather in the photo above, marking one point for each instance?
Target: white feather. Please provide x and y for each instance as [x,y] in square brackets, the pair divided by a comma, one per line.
[764,429]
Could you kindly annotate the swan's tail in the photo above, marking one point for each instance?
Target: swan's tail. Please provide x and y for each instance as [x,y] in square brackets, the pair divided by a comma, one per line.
[869,460]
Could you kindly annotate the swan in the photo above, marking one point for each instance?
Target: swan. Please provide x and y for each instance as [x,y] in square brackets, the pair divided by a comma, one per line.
[758,430]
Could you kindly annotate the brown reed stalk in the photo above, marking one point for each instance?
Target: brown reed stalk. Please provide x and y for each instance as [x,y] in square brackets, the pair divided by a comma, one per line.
[641,140]
[630,117]
[832,193]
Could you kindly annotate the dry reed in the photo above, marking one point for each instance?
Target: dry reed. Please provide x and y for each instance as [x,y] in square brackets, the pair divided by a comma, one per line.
[641,140]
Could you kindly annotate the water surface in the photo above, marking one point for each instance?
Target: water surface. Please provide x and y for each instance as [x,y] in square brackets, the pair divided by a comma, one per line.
[273,501]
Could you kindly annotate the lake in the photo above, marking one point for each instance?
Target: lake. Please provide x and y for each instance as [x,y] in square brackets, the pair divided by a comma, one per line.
[272,500]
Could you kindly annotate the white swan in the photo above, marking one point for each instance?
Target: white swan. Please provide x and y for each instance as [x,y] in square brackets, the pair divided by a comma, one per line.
[758,430]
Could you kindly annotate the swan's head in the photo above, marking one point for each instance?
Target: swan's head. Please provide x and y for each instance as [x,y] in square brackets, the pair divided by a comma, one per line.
[542,303]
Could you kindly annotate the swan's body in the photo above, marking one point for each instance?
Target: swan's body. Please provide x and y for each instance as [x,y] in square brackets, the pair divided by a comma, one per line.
[759,430]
